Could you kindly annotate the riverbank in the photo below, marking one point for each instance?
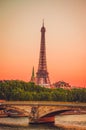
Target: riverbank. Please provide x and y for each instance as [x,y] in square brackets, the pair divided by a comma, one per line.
[76,122]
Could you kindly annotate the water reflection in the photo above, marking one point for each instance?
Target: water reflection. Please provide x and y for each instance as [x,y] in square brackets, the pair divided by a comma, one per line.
[78,121]
[31,127]
[64,120]
[22,124]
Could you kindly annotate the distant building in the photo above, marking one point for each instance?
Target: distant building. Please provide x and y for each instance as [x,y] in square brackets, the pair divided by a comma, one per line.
[62,84]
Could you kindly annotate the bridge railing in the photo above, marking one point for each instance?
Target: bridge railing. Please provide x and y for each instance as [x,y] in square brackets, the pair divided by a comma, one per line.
[44,103]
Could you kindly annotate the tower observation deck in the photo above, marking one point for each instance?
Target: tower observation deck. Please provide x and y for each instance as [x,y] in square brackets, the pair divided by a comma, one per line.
[42,75]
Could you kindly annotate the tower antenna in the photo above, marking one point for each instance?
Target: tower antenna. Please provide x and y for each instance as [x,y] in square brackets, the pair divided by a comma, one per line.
[43,22]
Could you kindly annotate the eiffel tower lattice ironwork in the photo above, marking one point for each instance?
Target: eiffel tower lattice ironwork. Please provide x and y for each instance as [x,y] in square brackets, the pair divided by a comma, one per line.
[42,75]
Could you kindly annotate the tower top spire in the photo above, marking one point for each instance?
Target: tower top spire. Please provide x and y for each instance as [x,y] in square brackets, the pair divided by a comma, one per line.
[43,28]
[43,23]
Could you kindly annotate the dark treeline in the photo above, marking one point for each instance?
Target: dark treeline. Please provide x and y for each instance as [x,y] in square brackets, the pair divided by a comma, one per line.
[19,90]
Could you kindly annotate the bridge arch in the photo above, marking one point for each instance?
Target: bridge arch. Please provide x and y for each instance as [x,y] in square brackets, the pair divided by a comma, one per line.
[52,111]
[56,113]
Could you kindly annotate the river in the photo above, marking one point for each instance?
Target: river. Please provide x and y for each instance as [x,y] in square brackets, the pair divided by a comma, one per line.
[65,121]
[22,124]
[71,121]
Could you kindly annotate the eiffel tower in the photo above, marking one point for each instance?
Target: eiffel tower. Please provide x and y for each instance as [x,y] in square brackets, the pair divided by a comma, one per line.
[42,75]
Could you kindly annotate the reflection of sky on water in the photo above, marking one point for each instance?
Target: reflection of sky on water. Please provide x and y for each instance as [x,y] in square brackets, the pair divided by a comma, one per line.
[23,124]
[74,120]
[79,120]
[17,121]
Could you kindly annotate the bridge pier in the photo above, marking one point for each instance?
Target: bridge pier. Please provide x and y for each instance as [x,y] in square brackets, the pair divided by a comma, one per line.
[34,114]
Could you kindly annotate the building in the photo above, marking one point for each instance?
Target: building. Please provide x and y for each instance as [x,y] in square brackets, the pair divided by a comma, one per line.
[62,84]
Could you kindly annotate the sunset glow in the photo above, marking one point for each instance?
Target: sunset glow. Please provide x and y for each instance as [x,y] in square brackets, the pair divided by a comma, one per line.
[65,23]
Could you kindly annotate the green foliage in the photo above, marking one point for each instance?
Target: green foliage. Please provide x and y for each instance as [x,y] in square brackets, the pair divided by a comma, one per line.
[23,91]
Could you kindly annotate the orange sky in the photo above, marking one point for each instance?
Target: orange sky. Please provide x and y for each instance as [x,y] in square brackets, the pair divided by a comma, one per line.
[65,22]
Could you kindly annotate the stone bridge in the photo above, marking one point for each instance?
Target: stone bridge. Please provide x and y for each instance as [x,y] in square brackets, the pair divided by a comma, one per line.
[53,110]
[37,110]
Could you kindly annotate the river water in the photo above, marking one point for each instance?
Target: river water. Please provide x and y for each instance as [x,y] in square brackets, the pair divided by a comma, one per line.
[71,121]
[78,121]
[22,123]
